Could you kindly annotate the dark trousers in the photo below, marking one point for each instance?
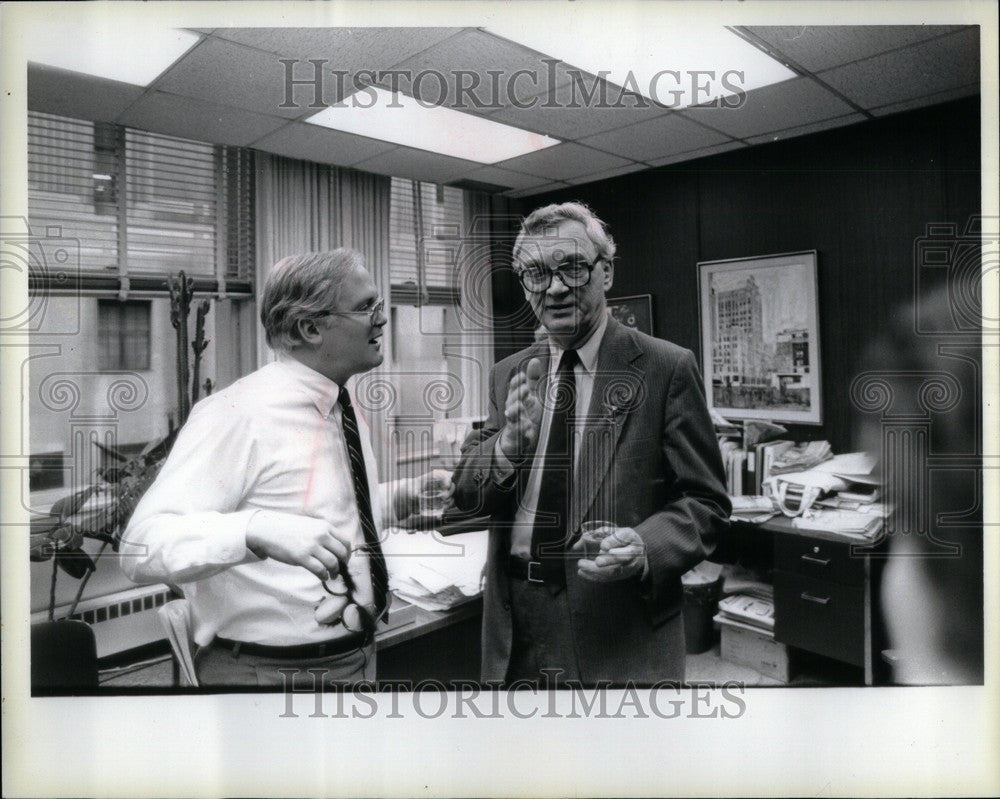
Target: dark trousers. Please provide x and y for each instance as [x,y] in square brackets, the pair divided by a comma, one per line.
[543,651]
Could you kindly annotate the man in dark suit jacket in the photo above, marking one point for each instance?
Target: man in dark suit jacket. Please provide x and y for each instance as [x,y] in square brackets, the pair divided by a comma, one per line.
[597,422]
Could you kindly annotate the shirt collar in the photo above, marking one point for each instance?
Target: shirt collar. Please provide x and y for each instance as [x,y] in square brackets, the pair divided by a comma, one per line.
[588,352]
[321,390]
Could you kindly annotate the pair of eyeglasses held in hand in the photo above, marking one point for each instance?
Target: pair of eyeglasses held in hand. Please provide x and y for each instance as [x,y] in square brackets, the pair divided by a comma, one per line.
[363,621]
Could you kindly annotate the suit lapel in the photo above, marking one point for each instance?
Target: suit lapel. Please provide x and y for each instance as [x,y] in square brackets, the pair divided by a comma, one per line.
[618,387]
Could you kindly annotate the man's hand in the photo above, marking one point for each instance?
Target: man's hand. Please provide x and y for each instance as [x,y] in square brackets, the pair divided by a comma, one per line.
[523,413]
[622,556]
[340,604]
[297,540]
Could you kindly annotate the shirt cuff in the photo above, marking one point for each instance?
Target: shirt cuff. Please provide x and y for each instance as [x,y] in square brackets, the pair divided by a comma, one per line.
[249,555]
[503,469]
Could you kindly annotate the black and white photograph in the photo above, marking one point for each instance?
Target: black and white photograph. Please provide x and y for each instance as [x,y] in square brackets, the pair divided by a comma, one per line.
[394,392]
[760,337]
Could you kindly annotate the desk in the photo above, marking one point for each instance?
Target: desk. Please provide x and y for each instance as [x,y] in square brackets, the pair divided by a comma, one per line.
[441,645]
[825,592]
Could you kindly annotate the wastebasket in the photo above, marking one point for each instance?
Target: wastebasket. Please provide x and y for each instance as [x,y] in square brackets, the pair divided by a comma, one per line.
[701,602]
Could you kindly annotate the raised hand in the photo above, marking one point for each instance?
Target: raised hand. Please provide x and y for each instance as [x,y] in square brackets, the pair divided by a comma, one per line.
[523,413]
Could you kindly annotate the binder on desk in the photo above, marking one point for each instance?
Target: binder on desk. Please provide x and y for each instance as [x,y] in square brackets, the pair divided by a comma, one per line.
[765,456]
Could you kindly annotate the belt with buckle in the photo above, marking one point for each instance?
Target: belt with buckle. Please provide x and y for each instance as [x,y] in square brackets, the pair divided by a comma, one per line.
[536,572]
[335,646]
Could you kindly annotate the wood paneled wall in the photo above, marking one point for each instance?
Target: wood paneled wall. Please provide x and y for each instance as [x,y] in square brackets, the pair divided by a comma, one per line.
[861,196]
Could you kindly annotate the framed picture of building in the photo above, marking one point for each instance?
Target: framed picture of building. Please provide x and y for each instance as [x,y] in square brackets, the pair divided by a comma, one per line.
[634,311]
[760,337]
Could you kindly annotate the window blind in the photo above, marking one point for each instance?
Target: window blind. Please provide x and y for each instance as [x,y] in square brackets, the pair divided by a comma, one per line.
[239,191]
[73,186]
[171,204]
[187,204]
[425,242]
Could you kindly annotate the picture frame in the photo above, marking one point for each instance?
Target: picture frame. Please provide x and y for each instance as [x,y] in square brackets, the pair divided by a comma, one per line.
[634,311]
[760,347]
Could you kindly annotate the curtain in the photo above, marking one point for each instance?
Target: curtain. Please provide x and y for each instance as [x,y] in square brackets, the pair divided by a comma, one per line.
[475,268]
[309,207]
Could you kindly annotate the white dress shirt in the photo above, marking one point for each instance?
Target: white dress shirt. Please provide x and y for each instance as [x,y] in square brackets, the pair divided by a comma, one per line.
[583,374]
[271,441]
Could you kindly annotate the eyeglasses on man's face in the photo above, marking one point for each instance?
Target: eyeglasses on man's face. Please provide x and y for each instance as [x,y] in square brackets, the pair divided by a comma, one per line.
[372,312]
[536,277]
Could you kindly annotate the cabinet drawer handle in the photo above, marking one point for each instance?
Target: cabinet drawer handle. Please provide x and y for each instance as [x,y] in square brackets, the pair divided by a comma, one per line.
[819,600]
[817,561]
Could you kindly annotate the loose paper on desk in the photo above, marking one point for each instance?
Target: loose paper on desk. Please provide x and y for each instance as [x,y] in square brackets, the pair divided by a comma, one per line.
[855,467]
[433,572]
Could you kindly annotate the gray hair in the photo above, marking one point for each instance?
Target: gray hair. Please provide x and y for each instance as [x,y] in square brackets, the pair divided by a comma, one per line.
[302,287]
[541,219]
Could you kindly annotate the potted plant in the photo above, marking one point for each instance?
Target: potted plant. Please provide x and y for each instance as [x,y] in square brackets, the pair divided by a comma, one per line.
[102,510]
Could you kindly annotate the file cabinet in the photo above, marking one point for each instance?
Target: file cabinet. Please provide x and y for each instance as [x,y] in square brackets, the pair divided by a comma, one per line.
[823,596]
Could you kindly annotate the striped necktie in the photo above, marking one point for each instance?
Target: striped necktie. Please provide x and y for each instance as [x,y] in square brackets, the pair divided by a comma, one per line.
[359,474]
[549,536]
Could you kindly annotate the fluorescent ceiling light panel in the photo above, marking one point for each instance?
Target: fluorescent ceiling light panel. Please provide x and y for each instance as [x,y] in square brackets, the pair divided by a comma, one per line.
[122,51]
[397,118]
[662,61]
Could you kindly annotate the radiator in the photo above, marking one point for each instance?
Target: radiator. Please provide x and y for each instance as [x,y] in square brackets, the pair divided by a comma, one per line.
[122,620]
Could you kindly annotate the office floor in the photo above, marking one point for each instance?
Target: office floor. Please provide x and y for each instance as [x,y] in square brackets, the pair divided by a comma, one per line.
[705,668]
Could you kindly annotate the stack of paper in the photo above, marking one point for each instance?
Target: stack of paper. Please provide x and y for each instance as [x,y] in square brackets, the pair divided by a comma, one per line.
[751,611]
[739,579]
[848,523]
[433,572]
[855,467]
[755,509]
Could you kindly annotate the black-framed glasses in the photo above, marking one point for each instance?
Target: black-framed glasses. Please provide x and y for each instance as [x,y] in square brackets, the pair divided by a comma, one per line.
[372,313]
[537,278]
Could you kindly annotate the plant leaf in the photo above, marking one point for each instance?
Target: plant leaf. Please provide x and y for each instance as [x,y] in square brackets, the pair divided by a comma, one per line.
[75,562]
[41,547]
[111,451]
[67,506]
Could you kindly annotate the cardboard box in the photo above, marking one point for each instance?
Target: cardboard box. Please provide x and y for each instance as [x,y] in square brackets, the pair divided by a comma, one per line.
[755,648]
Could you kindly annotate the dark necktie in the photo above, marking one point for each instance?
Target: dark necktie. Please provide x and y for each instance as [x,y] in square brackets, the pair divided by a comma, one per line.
[376,560]
[549,536]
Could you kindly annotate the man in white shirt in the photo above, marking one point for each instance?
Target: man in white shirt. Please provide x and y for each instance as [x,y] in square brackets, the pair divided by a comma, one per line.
[268,508]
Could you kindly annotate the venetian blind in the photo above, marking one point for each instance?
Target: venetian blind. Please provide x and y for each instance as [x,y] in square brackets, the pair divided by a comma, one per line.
[73,188]
[140,202]
[424,240]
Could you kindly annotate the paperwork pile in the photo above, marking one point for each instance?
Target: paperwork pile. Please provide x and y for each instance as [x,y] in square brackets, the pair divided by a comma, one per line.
[801,457]
[435,572]
[750,611]
[755,509]
[846,523]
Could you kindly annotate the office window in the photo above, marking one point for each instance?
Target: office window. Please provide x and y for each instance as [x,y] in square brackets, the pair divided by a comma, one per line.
[138,208]
[122,335]
[138,203]
[72,189]
[431,352]
[170,204]
[45,471]
[425,227]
